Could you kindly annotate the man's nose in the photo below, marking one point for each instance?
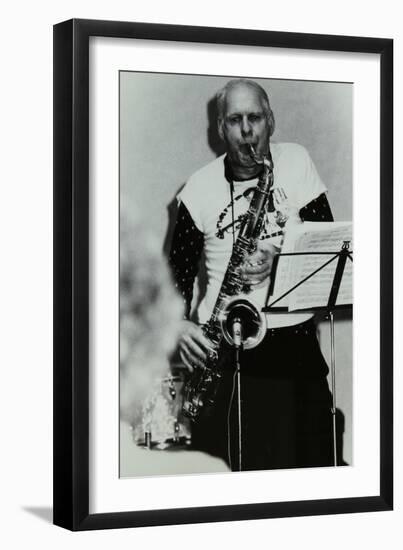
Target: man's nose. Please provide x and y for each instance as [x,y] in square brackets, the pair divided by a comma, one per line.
[246,127]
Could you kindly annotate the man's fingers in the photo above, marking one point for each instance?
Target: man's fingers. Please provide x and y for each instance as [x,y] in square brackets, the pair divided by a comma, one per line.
[279,195]
[258,266]
[192,359]
[261,257]
[206,343]
[254,275]
[194,347]
[194,342]
[196,335]
[186,361]
[256,257]
[251,270]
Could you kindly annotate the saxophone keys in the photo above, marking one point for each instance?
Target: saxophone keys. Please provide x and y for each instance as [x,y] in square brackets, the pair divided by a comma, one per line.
[212,355]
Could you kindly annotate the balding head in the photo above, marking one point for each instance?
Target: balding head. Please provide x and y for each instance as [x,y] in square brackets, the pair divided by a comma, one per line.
[221,99]
[244,119]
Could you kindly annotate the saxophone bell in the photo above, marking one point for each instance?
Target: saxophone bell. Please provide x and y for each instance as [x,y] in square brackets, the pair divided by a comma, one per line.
[240,311]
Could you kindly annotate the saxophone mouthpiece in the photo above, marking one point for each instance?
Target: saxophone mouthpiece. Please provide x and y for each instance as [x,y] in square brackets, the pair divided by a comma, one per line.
[253,154]
[266,160]
[251,150]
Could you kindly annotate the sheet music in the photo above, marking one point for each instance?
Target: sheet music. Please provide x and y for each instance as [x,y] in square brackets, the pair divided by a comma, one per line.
[312,237]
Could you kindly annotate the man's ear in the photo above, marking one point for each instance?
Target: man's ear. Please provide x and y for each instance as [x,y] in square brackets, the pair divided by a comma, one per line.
[272,123]
[220,128]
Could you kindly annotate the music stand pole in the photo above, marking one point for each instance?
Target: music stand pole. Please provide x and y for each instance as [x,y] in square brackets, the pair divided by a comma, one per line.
[333,382]
[338,274]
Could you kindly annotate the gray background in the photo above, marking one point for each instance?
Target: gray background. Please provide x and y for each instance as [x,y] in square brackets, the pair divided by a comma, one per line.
[167,131]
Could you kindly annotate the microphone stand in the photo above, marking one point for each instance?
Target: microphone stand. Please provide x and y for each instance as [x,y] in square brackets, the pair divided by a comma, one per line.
[238,340]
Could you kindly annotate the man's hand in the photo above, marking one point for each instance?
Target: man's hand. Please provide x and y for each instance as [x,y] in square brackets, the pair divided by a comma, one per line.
[257,268]
[193,345]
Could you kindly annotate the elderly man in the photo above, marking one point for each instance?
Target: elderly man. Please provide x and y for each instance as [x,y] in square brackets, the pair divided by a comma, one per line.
[285,397]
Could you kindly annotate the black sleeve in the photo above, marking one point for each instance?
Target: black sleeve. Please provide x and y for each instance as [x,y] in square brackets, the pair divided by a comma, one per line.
[318,210]
[184,258]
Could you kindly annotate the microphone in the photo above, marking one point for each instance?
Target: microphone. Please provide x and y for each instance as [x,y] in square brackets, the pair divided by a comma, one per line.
[237,335]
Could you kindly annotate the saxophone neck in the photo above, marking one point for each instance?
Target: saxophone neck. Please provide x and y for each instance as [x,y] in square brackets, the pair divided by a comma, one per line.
[268,163]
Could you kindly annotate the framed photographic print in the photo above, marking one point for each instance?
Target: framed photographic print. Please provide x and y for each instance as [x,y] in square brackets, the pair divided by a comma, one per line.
[201,176]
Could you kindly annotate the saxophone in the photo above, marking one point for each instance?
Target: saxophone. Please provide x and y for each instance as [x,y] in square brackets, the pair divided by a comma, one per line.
[232,312]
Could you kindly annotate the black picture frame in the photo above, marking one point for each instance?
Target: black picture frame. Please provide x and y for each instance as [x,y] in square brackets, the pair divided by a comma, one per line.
[71,273]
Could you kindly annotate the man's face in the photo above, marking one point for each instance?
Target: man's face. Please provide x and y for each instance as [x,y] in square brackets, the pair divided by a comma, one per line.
[244,122]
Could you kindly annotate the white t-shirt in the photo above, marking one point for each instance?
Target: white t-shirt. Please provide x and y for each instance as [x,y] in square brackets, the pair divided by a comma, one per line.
[207,196]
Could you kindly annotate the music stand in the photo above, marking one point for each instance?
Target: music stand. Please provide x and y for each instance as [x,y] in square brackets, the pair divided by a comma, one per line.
[341,257]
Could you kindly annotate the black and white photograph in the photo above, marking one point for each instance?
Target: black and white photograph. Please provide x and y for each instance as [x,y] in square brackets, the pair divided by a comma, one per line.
[200,286]
[224,236]
[236,274]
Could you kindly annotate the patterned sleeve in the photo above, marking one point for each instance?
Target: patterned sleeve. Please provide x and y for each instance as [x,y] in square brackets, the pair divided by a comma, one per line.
[184,258]
[318,210]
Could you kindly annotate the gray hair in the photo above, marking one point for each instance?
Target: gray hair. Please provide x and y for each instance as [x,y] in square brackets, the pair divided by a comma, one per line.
[221,98]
